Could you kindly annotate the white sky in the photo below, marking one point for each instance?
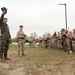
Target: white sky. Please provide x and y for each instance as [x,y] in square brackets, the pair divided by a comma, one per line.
[38,16]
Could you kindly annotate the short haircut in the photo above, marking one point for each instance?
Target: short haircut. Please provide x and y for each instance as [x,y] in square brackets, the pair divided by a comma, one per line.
[5,18]
[21,25]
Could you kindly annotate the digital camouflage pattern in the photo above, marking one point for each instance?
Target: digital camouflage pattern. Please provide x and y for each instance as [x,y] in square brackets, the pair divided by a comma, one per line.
[5,39]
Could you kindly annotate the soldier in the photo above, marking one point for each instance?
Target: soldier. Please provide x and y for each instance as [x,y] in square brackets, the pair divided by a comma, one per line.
[43,41]
[1,20]
[59,40]
[64,38]
[55,39]
[39,41]
[5,37]
[69,41]
[21,40]
[30,41]
[33,42]
[73,40]
[47,41]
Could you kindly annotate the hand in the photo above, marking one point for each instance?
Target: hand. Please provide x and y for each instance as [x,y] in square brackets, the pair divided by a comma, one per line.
[3,12]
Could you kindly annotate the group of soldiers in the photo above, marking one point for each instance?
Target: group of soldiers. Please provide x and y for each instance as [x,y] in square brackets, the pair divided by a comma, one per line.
[62,40]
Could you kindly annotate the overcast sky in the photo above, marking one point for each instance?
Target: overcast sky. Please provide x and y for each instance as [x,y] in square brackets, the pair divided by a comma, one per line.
[38,16]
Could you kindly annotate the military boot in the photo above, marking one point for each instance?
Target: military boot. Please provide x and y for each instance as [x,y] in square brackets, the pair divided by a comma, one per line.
[6,58]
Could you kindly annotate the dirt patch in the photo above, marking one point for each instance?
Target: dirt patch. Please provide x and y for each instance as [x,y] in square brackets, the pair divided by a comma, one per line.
[38,62]
[17,71]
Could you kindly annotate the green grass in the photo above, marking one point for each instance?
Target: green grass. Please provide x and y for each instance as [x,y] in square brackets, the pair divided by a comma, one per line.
[43,54]
[39,60]
[12,46]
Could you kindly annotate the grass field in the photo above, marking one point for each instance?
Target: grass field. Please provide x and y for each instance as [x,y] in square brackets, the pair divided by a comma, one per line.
[38,61]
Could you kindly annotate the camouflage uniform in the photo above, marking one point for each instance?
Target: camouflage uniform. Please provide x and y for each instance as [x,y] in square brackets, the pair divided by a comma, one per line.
[43,41]
[39,41]
[48,41]
[21,41]
[69,41]
[63,41]
[59,41]
[1,20]
[55,40]
[5,40]
[73,41]
[33,42]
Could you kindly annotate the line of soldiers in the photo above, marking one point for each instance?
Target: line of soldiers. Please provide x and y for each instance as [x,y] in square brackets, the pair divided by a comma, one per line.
[61,40]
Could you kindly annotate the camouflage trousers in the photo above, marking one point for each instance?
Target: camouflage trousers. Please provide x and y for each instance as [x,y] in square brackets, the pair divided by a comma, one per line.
[59,46]
[73,45]
[33,43]
[39,44]
[4,48]
[69,44]
[21,46]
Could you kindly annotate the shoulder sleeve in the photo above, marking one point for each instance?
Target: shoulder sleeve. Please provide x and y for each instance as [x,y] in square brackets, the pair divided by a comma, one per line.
[8,30]
[17,33]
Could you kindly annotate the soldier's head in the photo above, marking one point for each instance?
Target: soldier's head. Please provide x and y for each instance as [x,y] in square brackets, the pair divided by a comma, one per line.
[66,31]
[21,27]
[73,30]
[70,32]
[5,20]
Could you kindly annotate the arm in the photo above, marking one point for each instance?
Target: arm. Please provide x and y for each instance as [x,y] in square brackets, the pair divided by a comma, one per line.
[8,31]
[17,34]
[2,16]
[1,19]
[9,38]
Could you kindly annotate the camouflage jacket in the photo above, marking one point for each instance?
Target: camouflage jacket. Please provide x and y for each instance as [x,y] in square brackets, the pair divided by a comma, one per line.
[1,19]
[5,33]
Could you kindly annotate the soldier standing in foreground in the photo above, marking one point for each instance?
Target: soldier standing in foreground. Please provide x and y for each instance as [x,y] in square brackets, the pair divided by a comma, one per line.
[1,20]
[4,35]
[21,40]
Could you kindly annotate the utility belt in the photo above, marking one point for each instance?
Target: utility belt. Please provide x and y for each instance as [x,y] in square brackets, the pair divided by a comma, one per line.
[21,38]
[59,38]
[73,39]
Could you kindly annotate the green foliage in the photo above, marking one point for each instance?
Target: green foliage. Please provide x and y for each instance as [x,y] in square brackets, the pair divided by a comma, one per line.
[44,54]
[14,39]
